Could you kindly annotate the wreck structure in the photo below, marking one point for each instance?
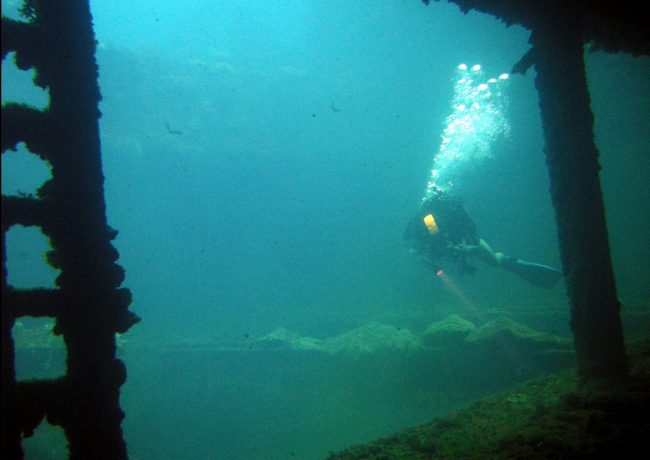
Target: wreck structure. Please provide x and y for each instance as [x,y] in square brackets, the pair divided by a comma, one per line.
[559,32]
[89,306]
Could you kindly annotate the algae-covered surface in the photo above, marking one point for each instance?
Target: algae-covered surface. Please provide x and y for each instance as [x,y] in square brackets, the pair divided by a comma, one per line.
[550,417]
[324,394]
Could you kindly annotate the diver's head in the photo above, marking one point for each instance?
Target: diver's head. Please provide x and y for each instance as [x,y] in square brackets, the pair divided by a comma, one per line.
[437,190]
[434,194]
[433,191]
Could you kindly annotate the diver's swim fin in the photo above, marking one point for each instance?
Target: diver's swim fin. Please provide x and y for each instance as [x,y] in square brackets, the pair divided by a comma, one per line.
[536,274]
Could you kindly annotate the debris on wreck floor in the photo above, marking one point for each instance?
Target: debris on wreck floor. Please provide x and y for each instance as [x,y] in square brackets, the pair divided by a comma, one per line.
[549,417]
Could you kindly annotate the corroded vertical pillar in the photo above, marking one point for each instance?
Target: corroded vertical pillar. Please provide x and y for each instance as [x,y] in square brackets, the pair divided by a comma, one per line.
[572,159]
[88,304]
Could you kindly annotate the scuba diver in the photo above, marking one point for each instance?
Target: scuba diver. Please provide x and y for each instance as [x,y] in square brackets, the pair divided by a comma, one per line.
[442,229]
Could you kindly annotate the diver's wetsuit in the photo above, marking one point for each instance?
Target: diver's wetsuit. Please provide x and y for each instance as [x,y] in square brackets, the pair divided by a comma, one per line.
[455,229]
[442,229]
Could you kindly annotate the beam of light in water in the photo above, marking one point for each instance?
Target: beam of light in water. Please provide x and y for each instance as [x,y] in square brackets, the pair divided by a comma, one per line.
[453,287]
[477,119]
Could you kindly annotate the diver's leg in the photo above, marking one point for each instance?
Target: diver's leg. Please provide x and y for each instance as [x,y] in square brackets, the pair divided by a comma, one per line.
[488,255]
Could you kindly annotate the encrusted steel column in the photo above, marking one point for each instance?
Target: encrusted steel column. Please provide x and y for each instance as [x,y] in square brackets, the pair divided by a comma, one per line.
[89,306]
[572,159]
[559,30]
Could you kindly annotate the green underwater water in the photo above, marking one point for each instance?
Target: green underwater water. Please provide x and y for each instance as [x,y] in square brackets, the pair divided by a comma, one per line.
[261,161]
